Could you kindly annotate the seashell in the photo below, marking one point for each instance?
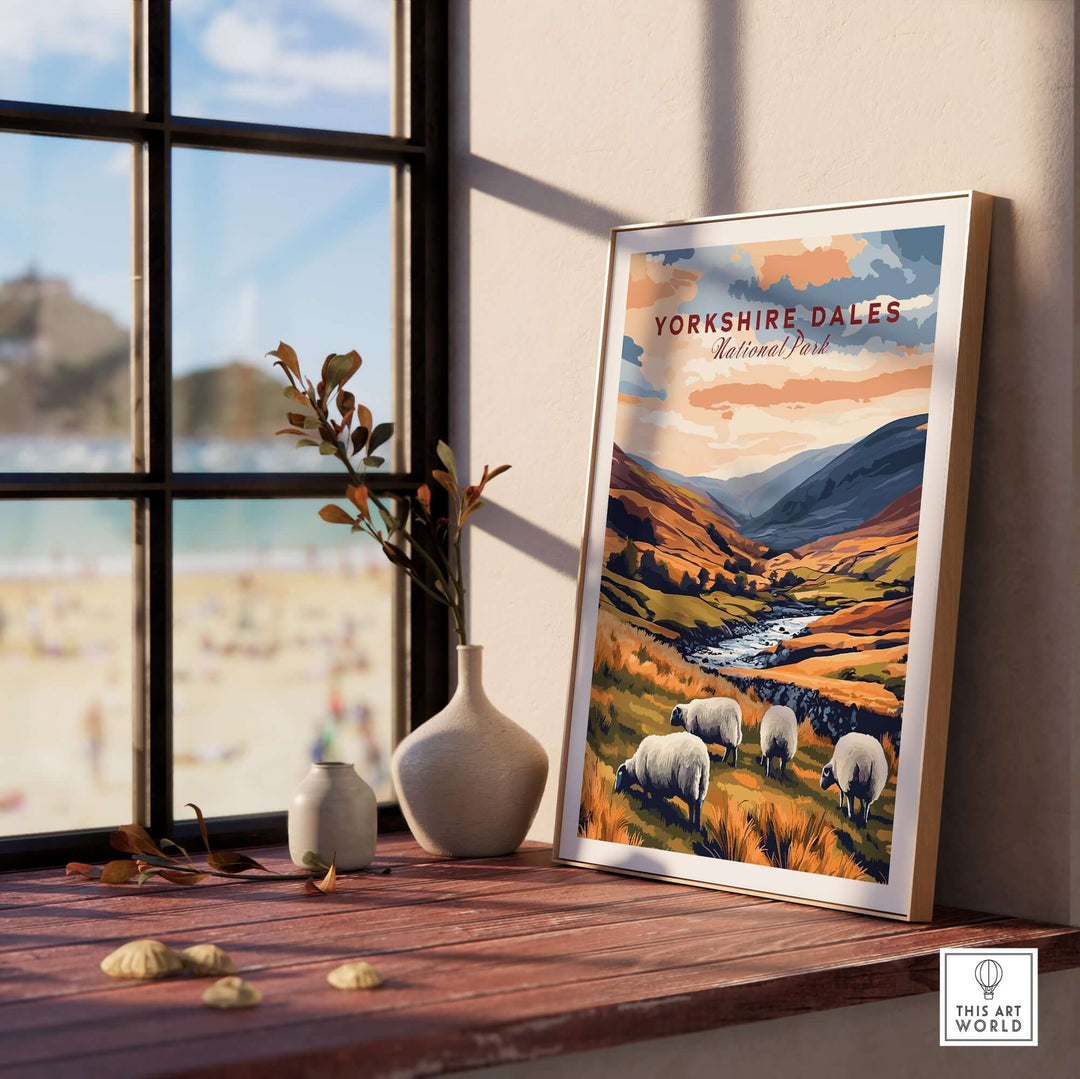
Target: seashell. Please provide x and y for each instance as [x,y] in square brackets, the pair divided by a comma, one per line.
[142,959]
[207,960]
[232,992]
[358,975]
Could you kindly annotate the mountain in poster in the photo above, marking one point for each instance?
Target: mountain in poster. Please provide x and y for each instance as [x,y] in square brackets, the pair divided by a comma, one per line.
[850,489]
[748,495]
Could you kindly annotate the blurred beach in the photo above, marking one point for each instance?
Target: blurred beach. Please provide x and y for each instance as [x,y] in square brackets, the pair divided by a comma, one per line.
[282,655]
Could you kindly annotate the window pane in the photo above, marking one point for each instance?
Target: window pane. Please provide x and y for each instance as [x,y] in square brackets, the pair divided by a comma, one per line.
[292,62]
[65,305]
[66,52]
[66,602]
[268,249]
[282,653]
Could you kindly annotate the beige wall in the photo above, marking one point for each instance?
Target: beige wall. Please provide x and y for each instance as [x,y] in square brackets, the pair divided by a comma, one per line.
[570,116]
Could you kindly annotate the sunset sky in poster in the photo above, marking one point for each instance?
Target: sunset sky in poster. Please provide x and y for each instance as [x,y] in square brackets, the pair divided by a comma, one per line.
[687,410]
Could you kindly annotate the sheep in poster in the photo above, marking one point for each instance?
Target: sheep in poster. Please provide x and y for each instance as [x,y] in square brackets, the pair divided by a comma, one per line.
[860,770]
[715,720]
[671,766]
[779,737]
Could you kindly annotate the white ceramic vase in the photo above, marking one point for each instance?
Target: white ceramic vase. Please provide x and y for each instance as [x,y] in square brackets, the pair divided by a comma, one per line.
[469,780]
[333,813]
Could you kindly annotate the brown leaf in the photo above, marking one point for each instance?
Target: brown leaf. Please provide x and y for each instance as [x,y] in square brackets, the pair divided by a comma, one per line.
[335,515]
[381,434]
[359,437]
[291,431]
[423,496]
[337,370]
[296,418]
[182,876]
[134,839]
[286,358]
[446,455]
[396,555]
[445,480]
[346,402]
[120,871]
[358,496]
[233,861]
[325,886]
[469,510]
[79,869]
[497,471]
[202,824]
[363,417]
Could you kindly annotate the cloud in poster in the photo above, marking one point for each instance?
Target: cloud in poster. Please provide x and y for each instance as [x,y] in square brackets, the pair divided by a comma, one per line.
[670,257]
[899,265]
[732,415]
[631,351]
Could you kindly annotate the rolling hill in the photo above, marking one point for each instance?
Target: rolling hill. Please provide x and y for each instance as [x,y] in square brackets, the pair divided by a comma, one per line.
[744,496]
[848,491]
[65,369]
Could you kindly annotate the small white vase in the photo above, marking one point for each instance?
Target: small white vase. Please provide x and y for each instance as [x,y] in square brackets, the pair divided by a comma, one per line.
[333,813]
[469,780]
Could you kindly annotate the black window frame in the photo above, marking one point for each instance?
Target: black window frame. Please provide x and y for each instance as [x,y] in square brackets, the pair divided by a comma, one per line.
[423,155]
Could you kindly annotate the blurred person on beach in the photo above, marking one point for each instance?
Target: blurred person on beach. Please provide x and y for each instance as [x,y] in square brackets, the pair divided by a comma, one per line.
[94,729]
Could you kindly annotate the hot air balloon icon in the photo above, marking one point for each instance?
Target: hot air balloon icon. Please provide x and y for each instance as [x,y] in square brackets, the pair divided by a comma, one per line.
[988,975]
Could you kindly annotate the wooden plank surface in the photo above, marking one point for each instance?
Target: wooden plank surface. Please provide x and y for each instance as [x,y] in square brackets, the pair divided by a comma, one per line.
[488,960]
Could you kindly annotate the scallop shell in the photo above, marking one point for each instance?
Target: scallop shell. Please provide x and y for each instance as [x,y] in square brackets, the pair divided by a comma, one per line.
[207,960]
[231,992]
[358,975]
[142,959]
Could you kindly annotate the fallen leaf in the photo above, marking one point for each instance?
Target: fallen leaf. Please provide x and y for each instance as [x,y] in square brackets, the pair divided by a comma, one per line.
[325,886]
[79,869]
[134,839]
[120,871]
[202,824]
[232,861]
[182,876]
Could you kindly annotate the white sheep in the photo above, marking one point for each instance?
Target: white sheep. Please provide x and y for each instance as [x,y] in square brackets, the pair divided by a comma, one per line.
[779,736]
[859,768]
[671,766]
[715,720]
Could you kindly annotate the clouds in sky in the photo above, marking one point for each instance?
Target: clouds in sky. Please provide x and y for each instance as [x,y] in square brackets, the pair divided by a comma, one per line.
[95,30]
[729,415]
[226,54]
[263,56]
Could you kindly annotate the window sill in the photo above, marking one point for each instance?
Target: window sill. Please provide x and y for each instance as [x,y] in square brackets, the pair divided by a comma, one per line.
[485,962]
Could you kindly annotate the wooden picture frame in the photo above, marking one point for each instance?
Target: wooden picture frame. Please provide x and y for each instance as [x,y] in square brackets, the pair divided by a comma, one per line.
[775,516]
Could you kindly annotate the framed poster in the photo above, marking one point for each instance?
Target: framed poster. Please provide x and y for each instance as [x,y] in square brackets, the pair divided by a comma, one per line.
[770,570]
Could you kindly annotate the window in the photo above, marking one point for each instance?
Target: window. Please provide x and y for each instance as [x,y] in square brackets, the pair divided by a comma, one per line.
[181,187]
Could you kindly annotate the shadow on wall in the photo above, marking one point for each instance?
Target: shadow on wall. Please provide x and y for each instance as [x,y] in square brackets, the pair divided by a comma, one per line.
[1009,854]
[473,172]
[528,538]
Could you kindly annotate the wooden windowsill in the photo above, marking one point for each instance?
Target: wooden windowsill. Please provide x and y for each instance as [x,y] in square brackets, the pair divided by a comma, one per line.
[485,961]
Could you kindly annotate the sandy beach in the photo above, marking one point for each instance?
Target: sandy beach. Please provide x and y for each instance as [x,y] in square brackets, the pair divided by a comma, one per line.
[273,668]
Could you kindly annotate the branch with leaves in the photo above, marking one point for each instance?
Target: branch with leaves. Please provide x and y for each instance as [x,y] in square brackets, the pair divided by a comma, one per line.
[149,859]
[427,548]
